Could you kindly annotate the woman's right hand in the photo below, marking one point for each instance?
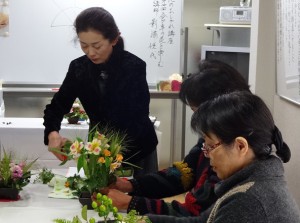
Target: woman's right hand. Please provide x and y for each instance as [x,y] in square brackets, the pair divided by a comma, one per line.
[122,185]
[56,141]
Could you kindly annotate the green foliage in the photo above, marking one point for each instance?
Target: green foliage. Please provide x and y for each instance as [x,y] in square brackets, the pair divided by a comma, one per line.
[76,219]
[133,217]
[103,206]
[44,176]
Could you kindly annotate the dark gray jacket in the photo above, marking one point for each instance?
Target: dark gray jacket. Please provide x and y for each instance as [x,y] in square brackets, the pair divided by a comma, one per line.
[256,194]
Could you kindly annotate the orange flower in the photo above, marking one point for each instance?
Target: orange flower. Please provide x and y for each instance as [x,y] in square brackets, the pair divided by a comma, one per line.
[119,157]
[106,152]
[101,160]
[67,184]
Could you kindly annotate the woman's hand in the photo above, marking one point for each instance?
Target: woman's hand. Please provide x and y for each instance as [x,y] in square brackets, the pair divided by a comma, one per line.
[120,200]
[56,142]
[122,185]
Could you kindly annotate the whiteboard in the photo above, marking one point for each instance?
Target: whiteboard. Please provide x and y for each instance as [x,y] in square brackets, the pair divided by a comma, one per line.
[288,50]
[40,44]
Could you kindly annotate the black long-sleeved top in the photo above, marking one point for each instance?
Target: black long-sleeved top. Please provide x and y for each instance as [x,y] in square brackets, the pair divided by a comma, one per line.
[115,94]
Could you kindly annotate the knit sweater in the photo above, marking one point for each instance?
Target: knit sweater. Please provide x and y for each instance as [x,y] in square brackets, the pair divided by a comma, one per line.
[115,94]
[193,176]
[256,194]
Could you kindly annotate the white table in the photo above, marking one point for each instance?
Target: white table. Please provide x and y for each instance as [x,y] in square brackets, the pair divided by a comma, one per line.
[25,137]
[35,206]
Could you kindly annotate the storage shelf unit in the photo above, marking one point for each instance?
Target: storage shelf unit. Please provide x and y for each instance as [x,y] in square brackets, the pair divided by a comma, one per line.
[230,34]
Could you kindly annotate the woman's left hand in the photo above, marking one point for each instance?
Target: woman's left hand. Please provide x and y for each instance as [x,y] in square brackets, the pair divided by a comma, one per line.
[120,200]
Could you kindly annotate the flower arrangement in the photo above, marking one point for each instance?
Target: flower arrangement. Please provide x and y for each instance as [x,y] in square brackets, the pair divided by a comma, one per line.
[77,112]
[99,158]
[14,174]
[103,206]
[44,176]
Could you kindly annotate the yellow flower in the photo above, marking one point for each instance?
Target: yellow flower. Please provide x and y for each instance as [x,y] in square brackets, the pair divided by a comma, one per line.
[76,148]
[94,146]
[100,136]
[186,173]
[114,166]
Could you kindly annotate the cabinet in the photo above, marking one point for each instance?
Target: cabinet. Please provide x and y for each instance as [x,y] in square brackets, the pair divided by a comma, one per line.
[230,35]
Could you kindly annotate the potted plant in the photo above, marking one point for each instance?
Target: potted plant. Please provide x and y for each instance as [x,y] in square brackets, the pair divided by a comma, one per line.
[14,175]
[45,176]
[77,113]
[99,157]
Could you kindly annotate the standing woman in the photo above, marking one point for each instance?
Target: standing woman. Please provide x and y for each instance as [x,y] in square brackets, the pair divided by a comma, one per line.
[112,87]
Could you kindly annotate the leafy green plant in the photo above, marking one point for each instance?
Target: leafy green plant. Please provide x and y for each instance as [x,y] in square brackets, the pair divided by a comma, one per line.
[103,206]
[44,176]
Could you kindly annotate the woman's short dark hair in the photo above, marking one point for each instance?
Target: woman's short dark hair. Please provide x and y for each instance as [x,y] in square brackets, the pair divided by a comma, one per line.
[214,78]
[99,20]
[241,113]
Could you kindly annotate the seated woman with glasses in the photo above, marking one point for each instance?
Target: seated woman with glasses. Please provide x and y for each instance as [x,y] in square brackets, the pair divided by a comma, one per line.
[246,150]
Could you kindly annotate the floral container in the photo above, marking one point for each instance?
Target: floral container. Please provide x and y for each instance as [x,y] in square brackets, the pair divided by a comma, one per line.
[9,193]
[14,175]
[85,199]
[73,120]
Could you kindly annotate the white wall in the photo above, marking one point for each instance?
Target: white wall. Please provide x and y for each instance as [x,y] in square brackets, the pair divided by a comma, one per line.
[263,63]
[287,118]
[196,14]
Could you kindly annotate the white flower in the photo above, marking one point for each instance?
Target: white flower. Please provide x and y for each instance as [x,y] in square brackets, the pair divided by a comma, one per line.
[76,105]
[176,77]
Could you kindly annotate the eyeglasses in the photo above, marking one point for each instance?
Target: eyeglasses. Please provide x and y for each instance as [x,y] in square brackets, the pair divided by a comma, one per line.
[207,149]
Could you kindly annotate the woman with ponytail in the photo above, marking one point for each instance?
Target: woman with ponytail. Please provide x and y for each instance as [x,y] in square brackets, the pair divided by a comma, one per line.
[247,152]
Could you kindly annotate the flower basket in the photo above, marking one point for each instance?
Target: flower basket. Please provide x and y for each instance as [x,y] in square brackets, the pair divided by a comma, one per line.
[9,193]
